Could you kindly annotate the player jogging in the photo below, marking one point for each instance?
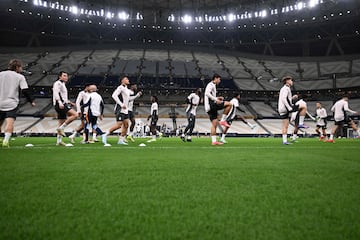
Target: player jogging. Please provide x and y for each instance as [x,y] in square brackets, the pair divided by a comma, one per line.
[341,116]
[154,110]
[193,101]
[321,122]
[62,106]
[80,100]
[133,96]
[121,96]
[10,82]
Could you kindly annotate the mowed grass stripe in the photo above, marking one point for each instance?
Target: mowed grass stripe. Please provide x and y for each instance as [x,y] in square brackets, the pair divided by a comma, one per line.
[247,189]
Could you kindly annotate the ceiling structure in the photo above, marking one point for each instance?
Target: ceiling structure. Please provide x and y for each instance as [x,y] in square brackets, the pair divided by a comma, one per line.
[330,29]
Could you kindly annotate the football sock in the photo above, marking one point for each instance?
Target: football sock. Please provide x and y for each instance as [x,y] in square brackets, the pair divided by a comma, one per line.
[58,138]
[7,137]
[301,120]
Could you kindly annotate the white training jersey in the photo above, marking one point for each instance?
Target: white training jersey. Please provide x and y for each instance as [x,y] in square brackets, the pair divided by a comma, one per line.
[322,114]
[10,83]
[210,95]
[121,95]
[302,104]
[80,100]
[194,100]
[132,97]
[60,92]
[154,107]
[235,104]
[340,108]
[96,104]
[285,99]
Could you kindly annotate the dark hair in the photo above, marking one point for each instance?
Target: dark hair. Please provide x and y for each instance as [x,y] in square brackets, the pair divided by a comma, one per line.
[346,95]
[13,64]
[286,78]
[61,73]
[236,94]
[215,76]
[121,78]
[155,98]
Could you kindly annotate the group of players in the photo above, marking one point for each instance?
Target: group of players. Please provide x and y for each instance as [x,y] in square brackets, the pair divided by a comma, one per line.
[90,107]
[294,108]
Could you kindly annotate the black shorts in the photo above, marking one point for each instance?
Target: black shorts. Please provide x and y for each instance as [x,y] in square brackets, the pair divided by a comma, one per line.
[321,126]
[285,115]
[61,113]
[214,108]
[121,116]
[8,114]
[342,122]
[191,117]
[154,120]
[131,115]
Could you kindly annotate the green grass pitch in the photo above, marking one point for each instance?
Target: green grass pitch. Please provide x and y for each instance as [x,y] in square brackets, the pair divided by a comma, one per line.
[250,188]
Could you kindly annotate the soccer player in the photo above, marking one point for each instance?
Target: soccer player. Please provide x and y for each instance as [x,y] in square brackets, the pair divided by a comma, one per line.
[154,110]
[301,107]
[80,100]
[94,110]
[10,82]
[121,95]
[341,110]
[193,101]
[62,106]
[133,96]
[321,122]
[212,104]
[232,116]
[285,106]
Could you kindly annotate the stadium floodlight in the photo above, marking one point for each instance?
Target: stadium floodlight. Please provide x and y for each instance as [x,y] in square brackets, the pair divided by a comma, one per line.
[109,15]
[139,16]
[36,2]
[263,13]
[123,15]
[299,6]
[74,10]
[186,19]
[313,3]
[231,17]
[171,18]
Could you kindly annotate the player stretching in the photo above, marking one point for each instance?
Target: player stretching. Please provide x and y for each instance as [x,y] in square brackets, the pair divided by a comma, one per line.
[301,107]
[340,109]
[232,116]
[10,82]
[63,107]
[133,96]
[213,104]
[121,96]
[321,116]
[193,101]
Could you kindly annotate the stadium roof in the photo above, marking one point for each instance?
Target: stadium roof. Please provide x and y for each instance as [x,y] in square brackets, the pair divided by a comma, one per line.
[270,27]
